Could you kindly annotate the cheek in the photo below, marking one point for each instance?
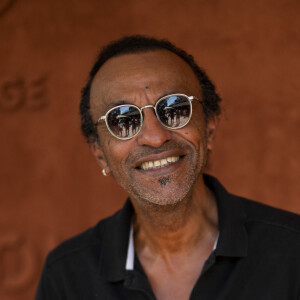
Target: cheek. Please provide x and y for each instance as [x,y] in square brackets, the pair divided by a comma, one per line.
[195,133]
[116,152]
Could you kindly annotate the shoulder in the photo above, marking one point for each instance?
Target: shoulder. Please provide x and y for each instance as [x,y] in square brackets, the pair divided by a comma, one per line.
[76,245]
[83,244]
[260,213]
[273,234]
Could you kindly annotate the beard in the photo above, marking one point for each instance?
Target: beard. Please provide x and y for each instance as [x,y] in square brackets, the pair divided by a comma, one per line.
[167,190]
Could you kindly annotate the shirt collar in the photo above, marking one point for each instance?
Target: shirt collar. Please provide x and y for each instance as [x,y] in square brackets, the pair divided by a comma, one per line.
[115,233]
[233,239]
[117,256]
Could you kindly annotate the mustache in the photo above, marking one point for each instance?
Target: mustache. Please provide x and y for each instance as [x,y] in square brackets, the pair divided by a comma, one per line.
[147,150]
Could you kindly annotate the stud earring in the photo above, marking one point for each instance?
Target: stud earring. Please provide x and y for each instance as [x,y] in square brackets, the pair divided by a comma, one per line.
[104,172]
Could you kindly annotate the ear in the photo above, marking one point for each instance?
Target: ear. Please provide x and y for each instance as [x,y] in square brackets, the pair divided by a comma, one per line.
[211,128]
[99,155]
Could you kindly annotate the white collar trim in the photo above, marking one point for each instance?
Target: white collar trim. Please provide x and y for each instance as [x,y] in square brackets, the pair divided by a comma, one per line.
[216,242]
[130,251]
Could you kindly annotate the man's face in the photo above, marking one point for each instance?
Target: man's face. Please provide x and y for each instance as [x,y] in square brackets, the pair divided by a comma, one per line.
[141,79]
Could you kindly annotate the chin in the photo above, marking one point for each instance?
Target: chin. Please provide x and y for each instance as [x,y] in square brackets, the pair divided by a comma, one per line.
[166,194]
[158,201]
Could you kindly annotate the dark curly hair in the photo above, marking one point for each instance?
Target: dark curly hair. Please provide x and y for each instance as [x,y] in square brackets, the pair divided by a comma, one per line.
[137,44]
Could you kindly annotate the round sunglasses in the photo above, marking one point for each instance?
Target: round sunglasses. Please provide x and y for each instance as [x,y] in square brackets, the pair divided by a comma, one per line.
[172,111]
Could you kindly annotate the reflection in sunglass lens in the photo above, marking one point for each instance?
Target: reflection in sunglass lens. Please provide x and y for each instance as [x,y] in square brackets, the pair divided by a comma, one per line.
[174,111]
[124,121]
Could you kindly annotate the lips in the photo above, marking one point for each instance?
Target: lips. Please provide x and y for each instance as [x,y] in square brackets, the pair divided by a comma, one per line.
[160,163]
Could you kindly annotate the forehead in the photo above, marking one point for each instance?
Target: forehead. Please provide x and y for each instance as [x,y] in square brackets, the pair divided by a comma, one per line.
[131,76]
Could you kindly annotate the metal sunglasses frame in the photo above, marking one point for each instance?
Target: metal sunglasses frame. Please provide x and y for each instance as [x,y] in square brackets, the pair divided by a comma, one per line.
[140,109]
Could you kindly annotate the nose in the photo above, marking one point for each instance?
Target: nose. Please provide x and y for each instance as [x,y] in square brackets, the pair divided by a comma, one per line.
[153,133]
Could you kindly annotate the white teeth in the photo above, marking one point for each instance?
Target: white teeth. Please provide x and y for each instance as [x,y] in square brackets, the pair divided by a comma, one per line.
[169,159]
[159,163]
[163,162]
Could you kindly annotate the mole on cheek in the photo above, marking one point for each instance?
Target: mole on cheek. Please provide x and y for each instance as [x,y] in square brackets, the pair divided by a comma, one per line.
[147,88]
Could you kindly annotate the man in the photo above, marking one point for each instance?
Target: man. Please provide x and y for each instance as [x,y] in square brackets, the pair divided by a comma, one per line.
[149,114]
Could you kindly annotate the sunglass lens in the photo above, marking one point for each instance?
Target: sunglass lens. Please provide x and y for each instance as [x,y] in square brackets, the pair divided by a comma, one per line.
[124,121]
[174,111]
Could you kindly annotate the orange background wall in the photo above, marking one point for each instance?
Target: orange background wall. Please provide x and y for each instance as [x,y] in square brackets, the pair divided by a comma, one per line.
[51,188]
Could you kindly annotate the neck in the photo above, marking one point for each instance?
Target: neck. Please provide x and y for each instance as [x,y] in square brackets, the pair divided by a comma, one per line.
[178,227]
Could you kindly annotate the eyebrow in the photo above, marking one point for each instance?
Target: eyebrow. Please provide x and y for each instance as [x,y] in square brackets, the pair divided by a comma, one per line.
[123,102]
[115,104]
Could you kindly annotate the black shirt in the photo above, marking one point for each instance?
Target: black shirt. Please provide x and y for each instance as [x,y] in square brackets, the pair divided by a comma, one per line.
[257,257]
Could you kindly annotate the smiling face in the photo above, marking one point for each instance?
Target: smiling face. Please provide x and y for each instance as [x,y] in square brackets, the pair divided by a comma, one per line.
[159,165]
